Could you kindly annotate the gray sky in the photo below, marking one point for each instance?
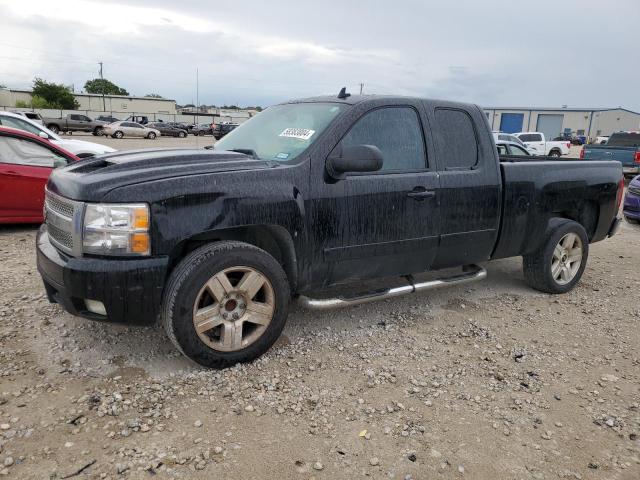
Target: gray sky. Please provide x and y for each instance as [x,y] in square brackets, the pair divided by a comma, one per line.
[544,53]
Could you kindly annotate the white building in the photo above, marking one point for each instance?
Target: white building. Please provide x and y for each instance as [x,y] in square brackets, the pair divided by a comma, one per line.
[553,122]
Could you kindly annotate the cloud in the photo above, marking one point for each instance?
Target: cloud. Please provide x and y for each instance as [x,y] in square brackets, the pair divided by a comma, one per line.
[259,52]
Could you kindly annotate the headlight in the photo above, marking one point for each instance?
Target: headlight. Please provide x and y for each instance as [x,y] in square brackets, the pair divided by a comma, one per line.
[116,229]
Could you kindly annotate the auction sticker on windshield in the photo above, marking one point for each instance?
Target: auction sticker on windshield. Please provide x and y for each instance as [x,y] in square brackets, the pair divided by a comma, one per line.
[301,133]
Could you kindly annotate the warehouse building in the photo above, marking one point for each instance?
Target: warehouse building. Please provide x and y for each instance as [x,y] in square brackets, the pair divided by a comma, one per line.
[97,103]
[553,122]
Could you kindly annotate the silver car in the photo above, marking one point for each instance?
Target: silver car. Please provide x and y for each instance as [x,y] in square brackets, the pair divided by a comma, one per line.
[130,129]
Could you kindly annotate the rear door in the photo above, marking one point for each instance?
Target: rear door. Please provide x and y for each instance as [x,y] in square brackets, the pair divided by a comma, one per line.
[381,223]
[25,166]
[470,184]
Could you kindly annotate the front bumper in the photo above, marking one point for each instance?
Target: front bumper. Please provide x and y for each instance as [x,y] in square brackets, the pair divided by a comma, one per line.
[631,207]
[131,290]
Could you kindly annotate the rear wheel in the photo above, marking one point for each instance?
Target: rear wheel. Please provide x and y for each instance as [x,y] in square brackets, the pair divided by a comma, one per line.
[555,153]
[558,265]
[54,128]
[201,133]
[225,303]
[98,132]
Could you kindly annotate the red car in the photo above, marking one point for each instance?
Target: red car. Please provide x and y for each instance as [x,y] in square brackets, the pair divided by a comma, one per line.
[26,160]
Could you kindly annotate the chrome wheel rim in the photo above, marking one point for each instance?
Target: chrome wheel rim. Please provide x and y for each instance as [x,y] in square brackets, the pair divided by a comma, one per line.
[567,258]
[233,308]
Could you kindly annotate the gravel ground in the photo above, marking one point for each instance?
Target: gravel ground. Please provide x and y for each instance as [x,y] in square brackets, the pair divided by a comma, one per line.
[488,381]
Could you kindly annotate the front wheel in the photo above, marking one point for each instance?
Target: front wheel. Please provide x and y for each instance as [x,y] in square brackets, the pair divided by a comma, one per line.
[118,134]
[151,136]
[558,264]
[225,303]
[182,134]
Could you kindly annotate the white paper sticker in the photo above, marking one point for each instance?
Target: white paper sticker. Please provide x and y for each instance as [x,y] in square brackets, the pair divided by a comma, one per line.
[301,133]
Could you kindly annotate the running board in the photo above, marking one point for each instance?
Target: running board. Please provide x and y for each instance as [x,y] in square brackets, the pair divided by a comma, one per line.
[471,273]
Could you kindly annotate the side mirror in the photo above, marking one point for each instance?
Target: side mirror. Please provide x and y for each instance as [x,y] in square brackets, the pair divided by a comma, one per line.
[354,159]
[43,135]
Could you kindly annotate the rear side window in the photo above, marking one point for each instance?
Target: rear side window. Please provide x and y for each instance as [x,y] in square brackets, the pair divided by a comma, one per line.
[397,132]
[530,137]
[459,141]
[624,140]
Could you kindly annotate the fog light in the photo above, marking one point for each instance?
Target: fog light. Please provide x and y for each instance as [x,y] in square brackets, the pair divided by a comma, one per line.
[94,306]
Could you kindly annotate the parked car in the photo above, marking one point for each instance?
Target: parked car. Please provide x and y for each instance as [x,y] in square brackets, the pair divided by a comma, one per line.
[141,119]
[168,130]
[621,146]
[33,116]
[107,119]
[26,161]
[130,129]
[79,148]
[74,122]
[538,145]
[181,126]
[601,140]
[631,207]
[311,194]
[201,129]
[223,129]
[512,149]
[578,141]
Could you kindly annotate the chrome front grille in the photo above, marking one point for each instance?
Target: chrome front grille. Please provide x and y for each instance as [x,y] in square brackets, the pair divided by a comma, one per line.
[63,218]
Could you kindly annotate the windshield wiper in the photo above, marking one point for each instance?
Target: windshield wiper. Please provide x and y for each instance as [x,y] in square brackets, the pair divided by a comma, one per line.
[246,151]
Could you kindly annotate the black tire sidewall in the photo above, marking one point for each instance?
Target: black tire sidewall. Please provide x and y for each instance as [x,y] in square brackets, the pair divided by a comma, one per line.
[192,274]
[554,237]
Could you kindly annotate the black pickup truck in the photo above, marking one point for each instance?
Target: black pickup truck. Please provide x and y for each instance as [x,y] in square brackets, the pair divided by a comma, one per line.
[311,194]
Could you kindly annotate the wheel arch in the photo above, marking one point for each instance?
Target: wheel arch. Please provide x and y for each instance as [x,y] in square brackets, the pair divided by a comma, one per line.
[273,239]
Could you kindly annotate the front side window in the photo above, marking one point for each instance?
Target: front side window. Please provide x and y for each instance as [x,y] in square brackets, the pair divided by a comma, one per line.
[458,139]
[282,132]
[18,151]
[518,151]
[397,132]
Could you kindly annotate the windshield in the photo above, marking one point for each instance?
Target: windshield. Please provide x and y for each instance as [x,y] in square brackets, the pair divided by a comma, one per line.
[281,132]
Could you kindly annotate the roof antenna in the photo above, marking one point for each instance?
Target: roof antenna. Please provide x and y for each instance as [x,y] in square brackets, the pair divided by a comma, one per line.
[343,93]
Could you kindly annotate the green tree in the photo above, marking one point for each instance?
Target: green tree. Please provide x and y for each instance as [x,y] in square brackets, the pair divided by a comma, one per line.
[153,95]
[22,104]
[103,86]
[54,95]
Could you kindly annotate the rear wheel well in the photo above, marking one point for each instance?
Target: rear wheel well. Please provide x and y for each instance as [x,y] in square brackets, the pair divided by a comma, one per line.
[274,240]
[587,216]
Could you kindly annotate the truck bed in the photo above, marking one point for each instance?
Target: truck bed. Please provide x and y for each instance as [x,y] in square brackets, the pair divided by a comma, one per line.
[536,190]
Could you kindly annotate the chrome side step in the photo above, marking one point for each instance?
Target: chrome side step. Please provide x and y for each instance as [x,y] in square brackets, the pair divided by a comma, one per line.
[471,273]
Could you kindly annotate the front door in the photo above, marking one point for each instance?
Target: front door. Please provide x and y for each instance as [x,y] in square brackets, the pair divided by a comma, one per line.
[382,223]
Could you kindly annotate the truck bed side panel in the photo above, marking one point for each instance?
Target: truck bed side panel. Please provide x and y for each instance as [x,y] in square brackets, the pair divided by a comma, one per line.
[534,192]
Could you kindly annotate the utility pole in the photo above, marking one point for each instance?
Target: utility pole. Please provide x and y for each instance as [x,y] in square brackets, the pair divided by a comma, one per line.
[104,104]
[361,87]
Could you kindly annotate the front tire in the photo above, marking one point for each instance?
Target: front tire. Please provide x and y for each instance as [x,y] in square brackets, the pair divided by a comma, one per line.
[225,303]
[118,134]
[558,264]
[182,134]
[151,136]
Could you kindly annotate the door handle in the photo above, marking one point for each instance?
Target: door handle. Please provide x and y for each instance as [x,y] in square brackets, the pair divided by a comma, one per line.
[421,193]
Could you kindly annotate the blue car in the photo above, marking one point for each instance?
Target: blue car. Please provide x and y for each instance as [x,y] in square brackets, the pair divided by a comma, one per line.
[631,208]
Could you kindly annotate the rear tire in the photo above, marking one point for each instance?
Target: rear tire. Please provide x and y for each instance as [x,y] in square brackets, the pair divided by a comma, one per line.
[555,153]
[558,264]
[212,282]
[54,128]
[98,132]
[201,133]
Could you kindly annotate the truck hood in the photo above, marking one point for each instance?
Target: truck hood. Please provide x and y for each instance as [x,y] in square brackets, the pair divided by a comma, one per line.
[92,179]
